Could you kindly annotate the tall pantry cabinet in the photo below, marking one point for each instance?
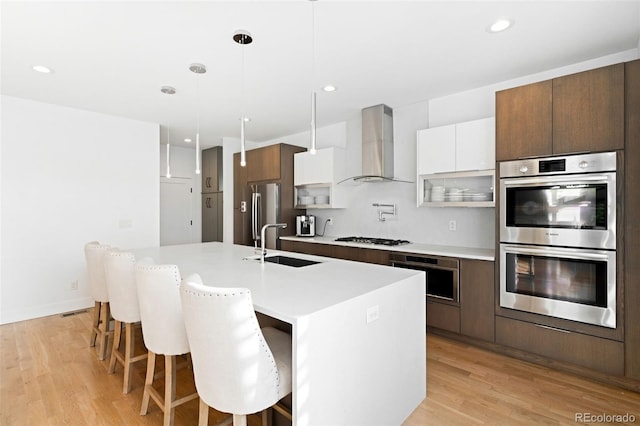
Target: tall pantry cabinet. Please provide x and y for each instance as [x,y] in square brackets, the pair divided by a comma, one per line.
[212,194]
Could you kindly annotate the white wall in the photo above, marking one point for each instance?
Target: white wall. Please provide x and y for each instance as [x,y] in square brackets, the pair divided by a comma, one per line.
[69,177]
[183,166]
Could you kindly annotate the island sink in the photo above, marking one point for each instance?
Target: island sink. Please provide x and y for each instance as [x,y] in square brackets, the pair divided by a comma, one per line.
[290,261]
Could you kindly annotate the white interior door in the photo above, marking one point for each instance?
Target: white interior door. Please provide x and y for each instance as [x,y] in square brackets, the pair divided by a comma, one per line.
[175,211]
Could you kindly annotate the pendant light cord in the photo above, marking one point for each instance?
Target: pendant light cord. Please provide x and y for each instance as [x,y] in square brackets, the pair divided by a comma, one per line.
[312,149]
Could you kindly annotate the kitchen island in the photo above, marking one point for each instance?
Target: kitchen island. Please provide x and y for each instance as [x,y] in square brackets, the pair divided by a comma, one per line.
[358,330]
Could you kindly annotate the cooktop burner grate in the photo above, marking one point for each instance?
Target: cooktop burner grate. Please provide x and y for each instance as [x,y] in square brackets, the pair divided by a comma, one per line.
[372,240]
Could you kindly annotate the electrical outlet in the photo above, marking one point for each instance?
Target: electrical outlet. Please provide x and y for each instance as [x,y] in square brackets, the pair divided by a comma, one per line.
[373,313]
[453,225]
[330,221]
[74,285]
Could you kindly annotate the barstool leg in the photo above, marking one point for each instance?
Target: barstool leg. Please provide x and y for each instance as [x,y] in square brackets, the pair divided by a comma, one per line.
[95,324]
[203,414]
[169,388]
[117,337]
[103,330]
[148,382]
[128,355]
[239,420]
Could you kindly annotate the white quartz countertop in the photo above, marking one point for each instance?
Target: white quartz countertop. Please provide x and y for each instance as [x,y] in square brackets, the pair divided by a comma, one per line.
[280,291]
[428,249]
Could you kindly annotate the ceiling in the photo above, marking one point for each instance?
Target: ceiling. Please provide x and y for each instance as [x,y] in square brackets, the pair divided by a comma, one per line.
[112,57]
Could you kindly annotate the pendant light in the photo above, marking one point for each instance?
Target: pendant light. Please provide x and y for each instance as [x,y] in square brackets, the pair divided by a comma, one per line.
[168,155]
[197,69]
[242,37]
[312,148]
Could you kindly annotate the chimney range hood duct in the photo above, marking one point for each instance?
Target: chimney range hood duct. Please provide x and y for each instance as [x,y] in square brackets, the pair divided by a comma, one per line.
[377,145]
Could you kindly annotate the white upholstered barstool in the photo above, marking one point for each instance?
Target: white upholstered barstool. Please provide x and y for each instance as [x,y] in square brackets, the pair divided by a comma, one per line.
[163,332]
[120,274]
[238,367]
[94,254]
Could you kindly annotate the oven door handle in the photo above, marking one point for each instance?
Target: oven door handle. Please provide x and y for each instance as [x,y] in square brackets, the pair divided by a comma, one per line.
[556,179]
[600,255]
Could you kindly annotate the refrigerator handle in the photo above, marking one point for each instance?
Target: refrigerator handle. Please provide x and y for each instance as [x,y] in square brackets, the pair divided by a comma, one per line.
[255,215]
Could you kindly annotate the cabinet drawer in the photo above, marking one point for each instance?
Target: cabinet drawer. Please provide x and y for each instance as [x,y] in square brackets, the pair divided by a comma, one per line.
[595,353]
[446,317]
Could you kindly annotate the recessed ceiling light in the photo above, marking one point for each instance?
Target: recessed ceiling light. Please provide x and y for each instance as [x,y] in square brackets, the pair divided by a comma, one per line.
[168,90]
[246,119]
[329,88]
[187,140]
[500,25]
[42,69]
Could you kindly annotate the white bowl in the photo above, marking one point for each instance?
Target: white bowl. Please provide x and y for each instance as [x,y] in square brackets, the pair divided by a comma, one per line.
[322,199]
[305,200]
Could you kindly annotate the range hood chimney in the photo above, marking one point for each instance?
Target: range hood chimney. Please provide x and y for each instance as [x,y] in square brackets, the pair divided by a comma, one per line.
[377,143]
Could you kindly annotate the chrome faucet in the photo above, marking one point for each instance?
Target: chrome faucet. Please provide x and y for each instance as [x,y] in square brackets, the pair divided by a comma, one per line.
[263,250]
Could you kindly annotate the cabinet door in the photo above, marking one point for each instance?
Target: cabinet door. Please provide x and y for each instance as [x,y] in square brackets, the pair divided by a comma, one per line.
[211,218]
[588,111]
[211,169]
[523,121]
[263,163]
[437,150]
[316,168]
[477,318]
[475,145]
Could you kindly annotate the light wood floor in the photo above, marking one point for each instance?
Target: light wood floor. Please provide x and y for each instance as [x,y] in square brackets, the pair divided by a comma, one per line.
[49,376]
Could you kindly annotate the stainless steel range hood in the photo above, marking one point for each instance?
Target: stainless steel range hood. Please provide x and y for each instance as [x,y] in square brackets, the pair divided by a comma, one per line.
[377,145]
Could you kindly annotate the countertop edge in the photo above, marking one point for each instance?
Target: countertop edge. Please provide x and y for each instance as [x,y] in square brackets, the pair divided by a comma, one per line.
[434,250]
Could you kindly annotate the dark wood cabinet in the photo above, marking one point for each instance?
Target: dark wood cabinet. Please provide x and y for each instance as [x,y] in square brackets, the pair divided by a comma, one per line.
[443,316]
[263,164]
[632,220]
[212,170]
[582,112]
[523,121]
[477,298]
[273,164]
[588,111]
[594,353]
[212,217]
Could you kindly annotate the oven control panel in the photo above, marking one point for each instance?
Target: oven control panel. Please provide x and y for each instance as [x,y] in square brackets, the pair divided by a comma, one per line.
[580,163]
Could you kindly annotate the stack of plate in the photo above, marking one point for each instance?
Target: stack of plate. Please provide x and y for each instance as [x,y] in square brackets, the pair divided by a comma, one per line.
[437,194]
[322,199]
[454,194]
[305,200]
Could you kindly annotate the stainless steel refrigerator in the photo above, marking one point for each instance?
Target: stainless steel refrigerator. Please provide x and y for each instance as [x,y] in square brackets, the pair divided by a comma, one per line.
[265,208]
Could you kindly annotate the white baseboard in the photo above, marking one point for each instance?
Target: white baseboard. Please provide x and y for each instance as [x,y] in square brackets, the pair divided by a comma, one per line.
[9,316]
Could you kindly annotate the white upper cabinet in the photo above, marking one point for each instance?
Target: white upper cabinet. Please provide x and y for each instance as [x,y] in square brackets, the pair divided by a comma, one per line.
[315,178]
[311,169]
[458,147]
[456,165]
[476,145]
[437,150]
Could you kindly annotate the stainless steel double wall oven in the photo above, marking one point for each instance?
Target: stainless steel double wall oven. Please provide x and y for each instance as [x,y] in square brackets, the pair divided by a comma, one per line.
[558,237]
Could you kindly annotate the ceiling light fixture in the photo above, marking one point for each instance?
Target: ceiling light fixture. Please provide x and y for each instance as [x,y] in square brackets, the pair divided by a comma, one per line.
[329,88]
[500,25]
[187,140]
[312,148]
[242,37]
[42,69]
[197,69]
[168,90]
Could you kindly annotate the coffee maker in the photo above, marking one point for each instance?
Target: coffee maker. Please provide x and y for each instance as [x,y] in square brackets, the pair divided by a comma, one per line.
[305,226]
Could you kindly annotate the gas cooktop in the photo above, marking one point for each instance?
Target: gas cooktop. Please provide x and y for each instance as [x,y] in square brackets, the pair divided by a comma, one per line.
[371,240]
